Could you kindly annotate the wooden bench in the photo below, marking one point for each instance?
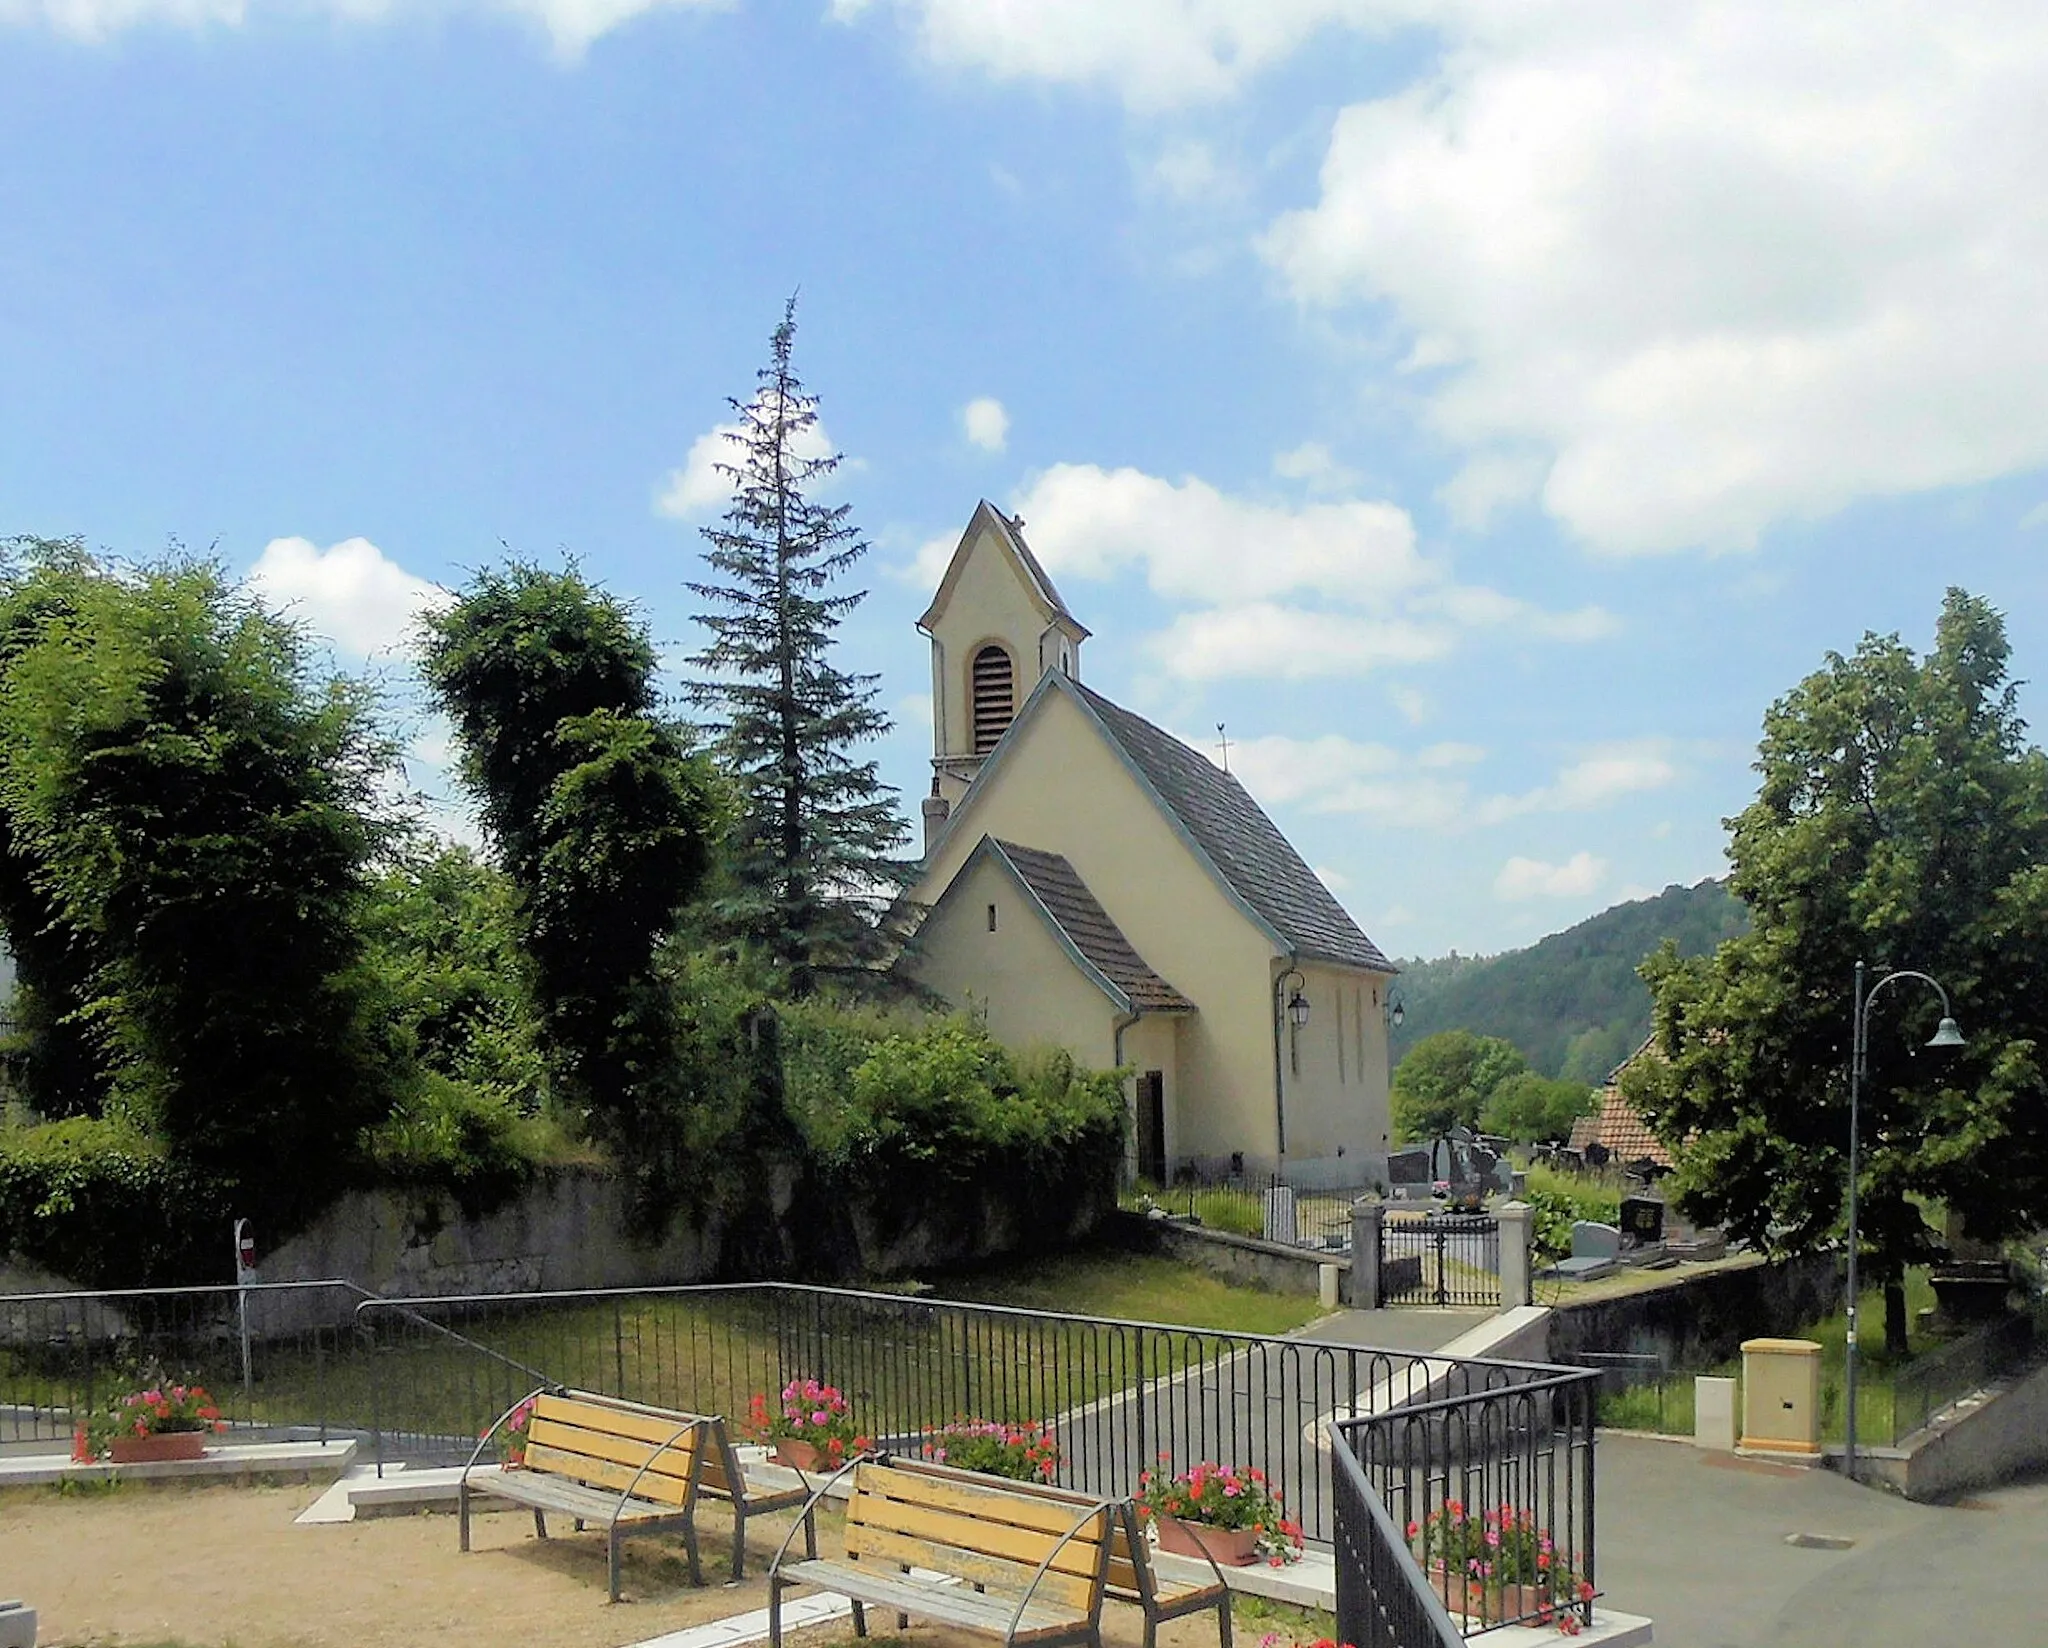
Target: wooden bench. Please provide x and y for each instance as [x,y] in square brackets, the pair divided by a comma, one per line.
[622,1466]
[1133,1577]
[993,1556]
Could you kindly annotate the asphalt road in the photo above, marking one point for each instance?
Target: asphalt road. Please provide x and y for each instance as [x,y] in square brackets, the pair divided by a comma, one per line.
[1698,1543]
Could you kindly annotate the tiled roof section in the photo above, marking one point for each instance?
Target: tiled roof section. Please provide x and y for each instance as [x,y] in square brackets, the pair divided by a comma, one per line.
[1056,886]
[1626,1136]
[1250,853]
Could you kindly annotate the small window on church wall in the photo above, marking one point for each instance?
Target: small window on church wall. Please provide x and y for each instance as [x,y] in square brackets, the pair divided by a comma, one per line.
[991,918]
[995,696]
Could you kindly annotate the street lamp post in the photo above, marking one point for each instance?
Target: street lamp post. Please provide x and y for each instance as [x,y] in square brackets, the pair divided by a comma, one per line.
[1290,1013]
[1945,1035]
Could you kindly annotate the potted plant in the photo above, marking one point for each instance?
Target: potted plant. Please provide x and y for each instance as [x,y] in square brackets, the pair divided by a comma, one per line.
[512,1434]
[1021,1452]
[1497,1566]
[1232,1517]
[157,1421]
[812,1429]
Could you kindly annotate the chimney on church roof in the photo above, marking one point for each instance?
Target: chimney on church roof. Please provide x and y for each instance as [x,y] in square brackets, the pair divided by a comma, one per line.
[936,811]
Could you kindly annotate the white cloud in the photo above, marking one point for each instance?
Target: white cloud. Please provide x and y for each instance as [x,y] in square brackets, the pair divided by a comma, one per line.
[1190,172]
[1155,54]
[1600,777]
[986,424]
[700,488]
[1433,787]
[1311,464]
[1335,880]
[571,24]
[1287,591]
[1721,263]
[1413,705]
[1525,878]
[351,592]
[2037,516]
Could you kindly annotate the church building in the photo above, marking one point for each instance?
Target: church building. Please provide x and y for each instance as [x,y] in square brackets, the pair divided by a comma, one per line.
[1091,882]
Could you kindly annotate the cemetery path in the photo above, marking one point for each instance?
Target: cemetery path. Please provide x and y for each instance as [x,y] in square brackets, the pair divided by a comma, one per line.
[1697,1542]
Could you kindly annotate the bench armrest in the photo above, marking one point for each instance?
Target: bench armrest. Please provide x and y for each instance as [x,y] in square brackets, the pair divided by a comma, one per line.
[499,1423]
[811,1505]
[1104,1509]
[1140,1553]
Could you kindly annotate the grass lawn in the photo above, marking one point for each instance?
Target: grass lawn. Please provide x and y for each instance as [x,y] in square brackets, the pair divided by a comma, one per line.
[1668,1405]
[1134,1287]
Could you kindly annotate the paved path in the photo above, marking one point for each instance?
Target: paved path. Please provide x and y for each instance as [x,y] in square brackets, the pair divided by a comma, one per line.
[1697,1542]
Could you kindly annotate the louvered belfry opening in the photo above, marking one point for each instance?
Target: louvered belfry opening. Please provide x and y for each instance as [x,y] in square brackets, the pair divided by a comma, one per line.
[995,696]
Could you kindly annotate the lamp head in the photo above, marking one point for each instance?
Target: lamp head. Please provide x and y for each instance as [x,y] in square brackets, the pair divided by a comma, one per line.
[1297,1009]
[1400,1015]
[1947,1035]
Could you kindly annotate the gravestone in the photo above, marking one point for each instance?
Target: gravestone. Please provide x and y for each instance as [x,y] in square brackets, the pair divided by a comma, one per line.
[1595,1241]
[1279,1224]
[1408,1173]
[1642,1220]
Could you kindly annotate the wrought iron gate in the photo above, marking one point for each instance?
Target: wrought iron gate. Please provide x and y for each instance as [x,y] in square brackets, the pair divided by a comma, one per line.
[1440,1259]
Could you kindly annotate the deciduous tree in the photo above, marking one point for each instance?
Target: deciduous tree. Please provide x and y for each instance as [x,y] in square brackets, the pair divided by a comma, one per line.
[1902,819]
[1446,1079]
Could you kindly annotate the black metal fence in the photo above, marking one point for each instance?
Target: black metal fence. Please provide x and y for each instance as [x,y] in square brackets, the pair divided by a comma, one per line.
[1121,1396]
[1488,1490]
[62,1355]
[1384,1599]
[1440,1259]
[1306,1210]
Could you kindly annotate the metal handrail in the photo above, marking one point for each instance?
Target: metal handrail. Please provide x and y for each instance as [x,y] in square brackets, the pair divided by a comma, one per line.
[1420,1592]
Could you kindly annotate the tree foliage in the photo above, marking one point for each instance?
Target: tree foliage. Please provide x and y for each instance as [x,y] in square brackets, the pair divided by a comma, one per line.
[604,816]
[1902,819]
[194,813]
[1533,1109]
[814,845]
[1446,1081]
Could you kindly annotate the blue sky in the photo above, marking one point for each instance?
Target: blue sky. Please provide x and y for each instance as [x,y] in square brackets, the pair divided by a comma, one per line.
[1484,411]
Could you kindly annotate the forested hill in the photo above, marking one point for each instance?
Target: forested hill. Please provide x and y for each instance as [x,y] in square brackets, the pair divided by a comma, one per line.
[1571,1002]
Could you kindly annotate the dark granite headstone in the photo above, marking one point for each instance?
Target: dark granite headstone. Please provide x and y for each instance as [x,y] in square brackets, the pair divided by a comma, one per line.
[1642,1219]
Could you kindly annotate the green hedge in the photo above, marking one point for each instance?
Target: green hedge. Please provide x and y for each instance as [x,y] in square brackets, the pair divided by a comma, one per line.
[102,1205]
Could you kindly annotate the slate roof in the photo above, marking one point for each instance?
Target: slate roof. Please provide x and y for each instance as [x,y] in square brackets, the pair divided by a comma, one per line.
[1257,862]
[1626,1136]
[1075,911]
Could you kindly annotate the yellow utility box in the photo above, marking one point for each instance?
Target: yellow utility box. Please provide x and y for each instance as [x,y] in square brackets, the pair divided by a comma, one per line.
[1781,1397]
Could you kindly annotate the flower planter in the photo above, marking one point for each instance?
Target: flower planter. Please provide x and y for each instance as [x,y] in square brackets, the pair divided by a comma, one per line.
[1226,1547]
[153,1450]
[798,1456]
[1490,1604]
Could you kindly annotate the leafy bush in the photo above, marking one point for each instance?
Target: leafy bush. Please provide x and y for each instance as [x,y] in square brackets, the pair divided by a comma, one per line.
[444,1135]
[101,1204]
[1560,1199]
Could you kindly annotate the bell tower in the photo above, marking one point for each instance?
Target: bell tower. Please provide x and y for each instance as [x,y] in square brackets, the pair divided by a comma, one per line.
[996,626]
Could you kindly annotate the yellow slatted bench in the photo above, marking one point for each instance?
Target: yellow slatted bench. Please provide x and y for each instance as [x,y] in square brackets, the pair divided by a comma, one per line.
[992,1556]
[1133,1577]
[621,1466]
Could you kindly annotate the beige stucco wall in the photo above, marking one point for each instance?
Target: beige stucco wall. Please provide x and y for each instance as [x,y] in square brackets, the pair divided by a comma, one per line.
[1062,788]
[1335,1077]
[991,601]
[1020,976]
[1153,1043]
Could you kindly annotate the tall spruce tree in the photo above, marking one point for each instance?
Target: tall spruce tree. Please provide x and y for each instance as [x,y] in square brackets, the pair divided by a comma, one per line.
[813,847]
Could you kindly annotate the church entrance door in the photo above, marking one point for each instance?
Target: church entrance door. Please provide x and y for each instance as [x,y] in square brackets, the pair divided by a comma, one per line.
[1152,1126]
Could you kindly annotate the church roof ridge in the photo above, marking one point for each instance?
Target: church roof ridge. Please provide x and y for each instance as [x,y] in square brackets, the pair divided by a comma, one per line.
[1057,888]
[1254,860]
[1011,531]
